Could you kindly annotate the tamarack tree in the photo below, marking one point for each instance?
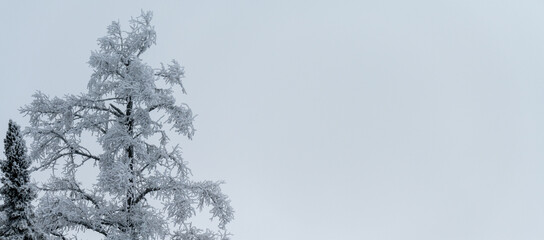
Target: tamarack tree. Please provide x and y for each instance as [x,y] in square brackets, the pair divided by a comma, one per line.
[126,110]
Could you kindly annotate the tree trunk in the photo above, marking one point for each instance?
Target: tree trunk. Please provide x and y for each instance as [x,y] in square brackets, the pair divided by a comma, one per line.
[131,190]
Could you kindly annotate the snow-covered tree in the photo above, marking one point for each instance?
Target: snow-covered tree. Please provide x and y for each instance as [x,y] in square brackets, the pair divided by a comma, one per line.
[16,221]
[126,109]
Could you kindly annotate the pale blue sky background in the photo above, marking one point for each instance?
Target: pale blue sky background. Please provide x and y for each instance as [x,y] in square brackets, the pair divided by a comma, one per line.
[376,120]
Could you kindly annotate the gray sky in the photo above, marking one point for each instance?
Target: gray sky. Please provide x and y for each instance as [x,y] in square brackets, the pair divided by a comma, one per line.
[331,119]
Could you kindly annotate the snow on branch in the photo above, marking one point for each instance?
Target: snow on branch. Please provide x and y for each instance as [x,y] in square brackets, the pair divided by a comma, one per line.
[173,74]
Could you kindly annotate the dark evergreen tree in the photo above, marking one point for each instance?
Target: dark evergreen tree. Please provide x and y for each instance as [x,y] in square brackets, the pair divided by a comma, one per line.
[16,190]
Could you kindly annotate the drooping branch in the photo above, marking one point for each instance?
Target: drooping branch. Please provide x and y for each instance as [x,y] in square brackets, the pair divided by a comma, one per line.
[94,227]
[66,185]
[73,149]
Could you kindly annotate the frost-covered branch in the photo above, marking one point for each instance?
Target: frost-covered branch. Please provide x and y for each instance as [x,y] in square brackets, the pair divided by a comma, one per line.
[88,225]
[173,74]
[73,149]
[58,184]
[192,233]
[57,212]
[59,235]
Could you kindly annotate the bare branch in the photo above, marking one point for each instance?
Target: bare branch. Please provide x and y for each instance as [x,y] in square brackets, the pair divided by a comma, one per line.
[118,111]
[145,192]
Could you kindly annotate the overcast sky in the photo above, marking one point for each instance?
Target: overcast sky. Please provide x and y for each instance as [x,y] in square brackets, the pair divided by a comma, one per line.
[376,120]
